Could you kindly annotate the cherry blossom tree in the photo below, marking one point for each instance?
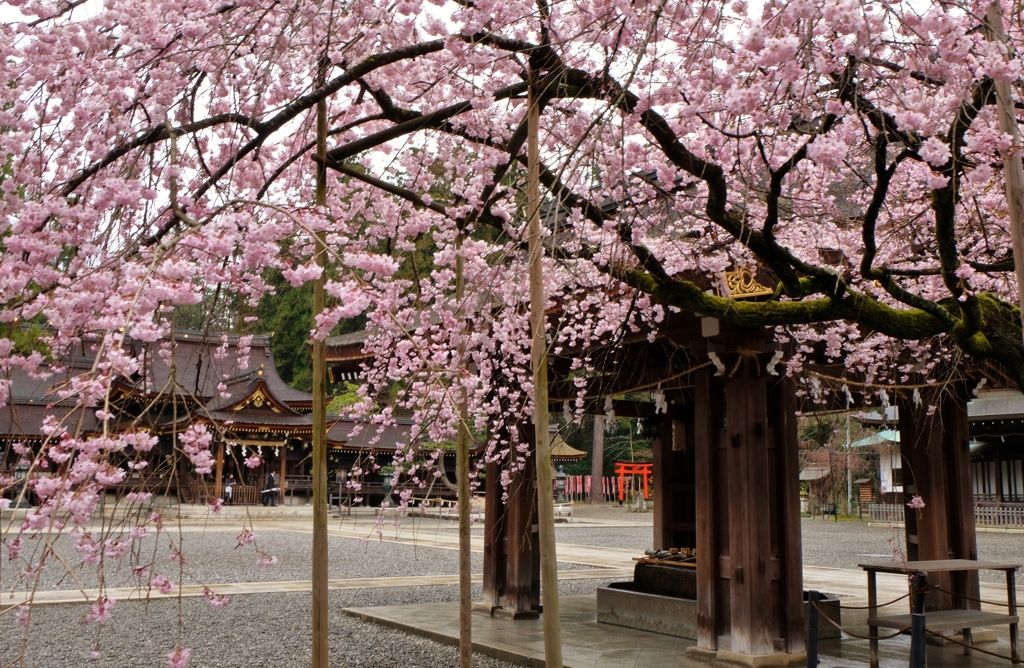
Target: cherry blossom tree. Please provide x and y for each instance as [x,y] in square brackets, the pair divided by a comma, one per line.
[849,152]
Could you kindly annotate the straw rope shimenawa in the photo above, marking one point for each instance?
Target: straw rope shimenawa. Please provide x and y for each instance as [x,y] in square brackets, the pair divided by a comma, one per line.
[640,388]
[836,379]
[745,354]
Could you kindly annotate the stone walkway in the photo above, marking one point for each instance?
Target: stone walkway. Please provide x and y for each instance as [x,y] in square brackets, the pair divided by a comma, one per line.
[52,597]
[588,644]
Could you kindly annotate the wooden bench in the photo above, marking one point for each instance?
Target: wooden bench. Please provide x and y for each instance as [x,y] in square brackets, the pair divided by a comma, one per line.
[943,620]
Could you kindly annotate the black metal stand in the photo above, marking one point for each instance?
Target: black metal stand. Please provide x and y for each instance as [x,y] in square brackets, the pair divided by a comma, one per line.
[812,629]
[918,655]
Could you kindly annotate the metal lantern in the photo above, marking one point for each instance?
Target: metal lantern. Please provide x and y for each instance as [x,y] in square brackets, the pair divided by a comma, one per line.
[20,484]
[652,427]
[560,486]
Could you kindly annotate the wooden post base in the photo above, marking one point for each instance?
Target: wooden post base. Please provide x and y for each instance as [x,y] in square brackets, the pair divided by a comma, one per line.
[729,659]
[506,613]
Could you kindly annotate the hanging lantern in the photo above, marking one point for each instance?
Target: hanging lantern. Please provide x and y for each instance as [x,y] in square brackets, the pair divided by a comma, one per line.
[652,427]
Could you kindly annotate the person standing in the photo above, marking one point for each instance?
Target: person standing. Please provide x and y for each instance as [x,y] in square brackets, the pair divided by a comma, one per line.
[229,489]
[270,493]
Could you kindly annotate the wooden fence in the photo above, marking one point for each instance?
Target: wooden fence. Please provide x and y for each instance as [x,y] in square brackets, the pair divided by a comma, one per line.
[241,495]
[1000,516]
[885,512]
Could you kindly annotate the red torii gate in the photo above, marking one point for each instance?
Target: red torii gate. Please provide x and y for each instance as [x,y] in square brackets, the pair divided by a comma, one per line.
[623,469]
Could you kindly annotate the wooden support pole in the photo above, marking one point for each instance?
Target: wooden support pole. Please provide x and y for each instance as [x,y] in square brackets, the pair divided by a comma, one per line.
[1013,171]
[462,472]
[545,499]
[321,646]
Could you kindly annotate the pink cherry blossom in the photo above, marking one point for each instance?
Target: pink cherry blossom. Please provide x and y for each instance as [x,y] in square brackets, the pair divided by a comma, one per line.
[162,583]
[934,151]
[216,600]
[178,658]
[14,548]
[100,612]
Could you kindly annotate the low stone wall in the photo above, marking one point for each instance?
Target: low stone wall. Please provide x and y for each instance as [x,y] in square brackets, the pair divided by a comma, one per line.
[622,604]
[618,604]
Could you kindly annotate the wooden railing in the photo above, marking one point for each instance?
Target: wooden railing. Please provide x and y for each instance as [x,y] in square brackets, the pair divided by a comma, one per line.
[1001,516]
[244,495]
[202,491]
[885,512]
[298,483]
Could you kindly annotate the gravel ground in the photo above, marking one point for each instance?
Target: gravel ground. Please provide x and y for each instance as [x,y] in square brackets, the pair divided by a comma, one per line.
[610,512]
[621,538]
[212,558]
[253,631]
[845,544]
[825,543]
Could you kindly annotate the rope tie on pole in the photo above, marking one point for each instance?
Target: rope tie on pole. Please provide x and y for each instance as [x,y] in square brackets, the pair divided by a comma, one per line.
[744,354]
[842,629]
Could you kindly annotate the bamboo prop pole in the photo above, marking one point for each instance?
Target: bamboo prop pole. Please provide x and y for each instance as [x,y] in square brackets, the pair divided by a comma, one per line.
[320,643]
[545,500]
[462,471]
[1012,169]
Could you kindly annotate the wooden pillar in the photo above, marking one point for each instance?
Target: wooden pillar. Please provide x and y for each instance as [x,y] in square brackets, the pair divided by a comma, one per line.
[218,486]
[711,518]
[936,466]
[511,585]
[924,475]
[750,567]
[749,574]
[999,474]
[284,462]
[494,532]
[597,461]
[184,478]
[675,511]
[783,425]
[963,542]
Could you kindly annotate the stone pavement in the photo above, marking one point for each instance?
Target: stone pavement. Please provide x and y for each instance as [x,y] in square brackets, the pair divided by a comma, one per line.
[51,597]
[589,644]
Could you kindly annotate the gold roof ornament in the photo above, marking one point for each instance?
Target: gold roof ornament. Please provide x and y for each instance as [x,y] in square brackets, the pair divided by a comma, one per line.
[259,399]
[741,284]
